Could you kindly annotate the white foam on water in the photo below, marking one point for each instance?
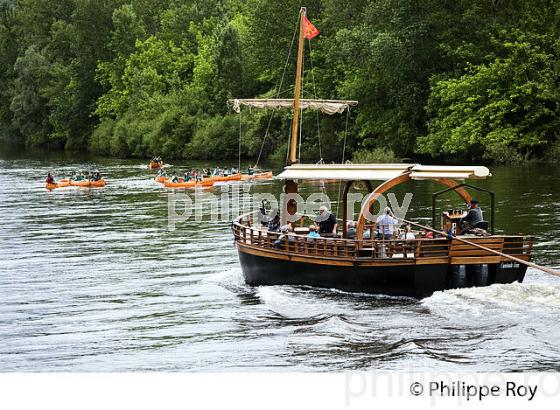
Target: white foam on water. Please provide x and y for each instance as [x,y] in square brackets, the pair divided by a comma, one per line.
[232,277]
[297,303]
[514,298]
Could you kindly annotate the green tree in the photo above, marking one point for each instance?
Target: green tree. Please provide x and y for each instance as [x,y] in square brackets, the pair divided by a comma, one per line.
[510,102]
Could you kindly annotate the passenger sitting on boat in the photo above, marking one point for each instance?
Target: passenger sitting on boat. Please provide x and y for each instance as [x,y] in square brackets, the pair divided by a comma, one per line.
[351,230]
[407,235]
[274,223]
[428,234]
[174,177]
[188,176]
[263,217]
[161,172]
[287,235]
[385,224]
[50,179]
[326,221]
[234,170]
[198,176]
[473,217]
[251,170]
[217,171]
[313,232]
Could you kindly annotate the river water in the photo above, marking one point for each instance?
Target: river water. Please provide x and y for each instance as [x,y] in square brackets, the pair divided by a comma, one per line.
[93,280]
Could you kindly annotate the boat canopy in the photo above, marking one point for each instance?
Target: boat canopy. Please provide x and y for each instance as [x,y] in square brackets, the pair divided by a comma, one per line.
[381,172]
[330,107]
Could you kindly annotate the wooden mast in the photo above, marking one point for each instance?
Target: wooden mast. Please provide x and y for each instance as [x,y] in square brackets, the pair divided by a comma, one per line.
[295,122]
[290,186]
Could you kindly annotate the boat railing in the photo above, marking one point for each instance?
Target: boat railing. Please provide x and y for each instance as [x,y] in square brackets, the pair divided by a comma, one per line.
[394,249]
[258,237]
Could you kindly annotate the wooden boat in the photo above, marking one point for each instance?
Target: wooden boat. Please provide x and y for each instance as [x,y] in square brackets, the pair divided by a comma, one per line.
[191,184]
[88,184]
[218,178]
[258,175]
[362,263]
[62,183]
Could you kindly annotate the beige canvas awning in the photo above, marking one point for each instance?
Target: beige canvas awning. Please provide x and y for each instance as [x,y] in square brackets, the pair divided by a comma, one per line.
[326,106]
[381,172]
[449,171]
[343,172]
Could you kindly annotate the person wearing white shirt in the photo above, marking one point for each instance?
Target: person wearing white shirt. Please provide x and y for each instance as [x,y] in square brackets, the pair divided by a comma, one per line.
[386,224]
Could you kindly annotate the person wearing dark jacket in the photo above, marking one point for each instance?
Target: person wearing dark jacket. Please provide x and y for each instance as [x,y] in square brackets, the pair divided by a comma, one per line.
[473,217]
[274,223]
[327,222]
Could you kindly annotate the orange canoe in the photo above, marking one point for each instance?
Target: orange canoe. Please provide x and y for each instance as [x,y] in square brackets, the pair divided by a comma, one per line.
[191,184]
[155,165]
[60,184]
[161,179]
[260,175]
[88,184]
[234,177]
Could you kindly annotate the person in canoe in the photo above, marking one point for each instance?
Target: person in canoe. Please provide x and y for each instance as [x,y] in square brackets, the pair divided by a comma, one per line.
[174,177]
[161,173]
[50,179]
[252,170]
[198,176]
[188,175]
[95,176]
[79,175]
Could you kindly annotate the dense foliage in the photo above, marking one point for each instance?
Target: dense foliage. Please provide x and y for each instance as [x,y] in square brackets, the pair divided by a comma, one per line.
[449,79]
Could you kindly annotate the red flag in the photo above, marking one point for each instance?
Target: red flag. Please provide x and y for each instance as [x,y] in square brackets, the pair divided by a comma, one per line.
[309,30]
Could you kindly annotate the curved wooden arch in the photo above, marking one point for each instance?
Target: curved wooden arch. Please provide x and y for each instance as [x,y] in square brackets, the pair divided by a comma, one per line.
[391,183]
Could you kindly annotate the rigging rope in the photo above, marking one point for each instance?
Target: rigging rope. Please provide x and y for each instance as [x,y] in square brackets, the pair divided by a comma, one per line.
[342,162]
[279,92]
[239,148]
[315,95]
[301,109]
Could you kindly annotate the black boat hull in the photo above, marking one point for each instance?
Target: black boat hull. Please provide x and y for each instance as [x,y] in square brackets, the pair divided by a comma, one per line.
[414,280]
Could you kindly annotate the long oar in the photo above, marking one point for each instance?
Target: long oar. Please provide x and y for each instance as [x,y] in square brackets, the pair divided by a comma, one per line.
[513,258]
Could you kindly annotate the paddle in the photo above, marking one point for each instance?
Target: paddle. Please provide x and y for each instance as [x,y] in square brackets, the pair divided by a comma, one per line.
[513,258]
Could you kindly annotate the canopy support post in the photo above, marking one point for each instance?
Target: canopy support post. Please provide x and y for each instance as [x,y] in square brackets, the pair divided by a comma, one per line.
[345,207]
[290,205]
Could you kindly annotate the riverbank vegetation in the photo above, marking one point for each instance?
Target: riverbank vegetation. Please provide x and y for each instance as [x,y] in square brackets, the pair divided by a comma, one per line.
[453,80]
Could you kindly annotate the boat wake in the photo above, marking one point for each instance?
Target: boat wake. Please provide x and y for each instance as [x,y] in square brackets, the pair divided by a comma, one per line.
[515,298]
